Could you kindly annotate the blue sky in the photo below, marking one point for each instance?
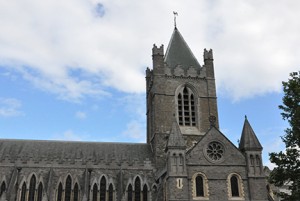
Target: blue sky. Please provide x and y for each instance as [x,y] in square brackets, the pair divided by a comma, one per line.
[74,69]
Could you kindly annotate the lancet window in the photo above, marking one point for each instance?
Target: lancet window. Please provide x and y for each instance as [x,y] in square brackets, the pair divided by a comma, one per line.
[32,188]
[95,192]
[23,192]
[76,192]
[68,189]
[235,186]
[129,193]
[110,193]
[103,189]
[59,192]
[40,192]
[200,186]
[145,193]
[3,188]
[137,189]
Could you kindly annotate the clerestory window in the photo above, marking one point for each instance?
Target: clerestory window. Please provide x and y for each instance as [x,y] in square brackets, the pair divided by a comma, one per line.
[186,107]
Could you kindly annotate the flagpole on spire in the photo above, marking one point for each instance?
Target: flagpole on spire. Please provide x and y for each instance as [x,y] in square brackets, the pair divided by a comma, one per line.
[175,14]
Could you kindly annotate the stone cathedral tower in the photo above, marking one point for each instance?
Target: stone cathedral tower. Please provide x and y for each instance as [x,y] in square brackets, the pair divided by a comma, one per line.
[178,85]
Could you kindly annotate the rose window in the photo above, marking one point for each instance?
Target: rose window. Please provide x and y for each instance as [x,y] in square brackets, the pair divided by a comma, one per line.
[215,151]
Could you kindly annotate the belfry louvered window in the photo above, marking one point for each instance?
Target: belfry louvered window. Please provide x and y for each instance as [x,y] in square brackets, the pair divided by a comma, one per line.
[40,192]
[186,108]
[103,189]
[32,188]
[68,189]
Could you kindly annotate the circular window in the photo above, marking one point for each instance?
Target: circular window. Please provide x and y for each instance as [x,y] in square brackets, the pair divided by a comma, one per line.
[215,151]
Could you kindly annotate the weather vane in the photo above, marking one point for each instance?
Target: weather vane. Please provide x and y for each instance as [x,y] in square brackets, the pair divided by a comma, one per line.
[175,14]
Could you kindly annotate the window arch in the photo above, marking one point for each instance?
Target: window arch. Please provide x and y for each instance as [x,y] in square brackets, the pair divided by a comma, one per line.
[76,192]
[110,193]
[145,193]
[59,192]
[23,192]
[137,189]
[32,188]
[103,189]
[68,188]
[40,192]
[235,186]
[200,186]
[3,188]
[129,193]
[95,192]
[186,107]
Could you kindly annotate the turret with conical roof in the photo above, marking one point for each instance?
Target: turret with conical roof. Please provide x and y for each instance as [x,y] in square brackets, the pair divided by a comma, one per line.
[249,141]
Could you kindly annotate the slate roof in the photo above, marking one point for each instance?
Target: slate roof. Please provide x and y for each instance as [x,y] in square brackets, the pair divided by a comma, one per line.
[249,140]
[179,53]
[80,151]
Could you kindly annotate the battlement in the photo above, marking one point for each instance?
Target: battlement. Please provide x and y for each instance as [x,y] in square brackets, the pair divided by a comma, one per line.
[158,51]
[208,54]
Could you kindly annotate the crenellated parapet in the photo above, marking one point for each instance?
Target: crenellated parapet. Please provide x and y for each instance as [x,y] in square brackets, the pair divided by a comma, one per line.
[158,50]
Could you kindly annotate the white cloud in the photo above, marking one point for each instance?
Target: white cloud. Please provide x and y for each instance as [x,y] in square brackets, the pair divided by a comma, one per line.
[135,130]
[10,107]
[80,115]
[78,48]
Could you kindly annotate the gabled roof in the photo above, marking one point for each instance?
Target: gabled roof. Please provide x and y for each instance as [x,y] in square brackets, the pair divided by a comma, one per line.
[78,151]
[175,139]
[179,53]
[249,140]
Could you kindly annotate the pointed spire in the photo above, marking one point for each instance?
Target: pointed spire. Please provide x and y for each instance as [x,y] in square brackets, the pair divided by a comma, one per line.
[249,140]
[179,53]
[176,138]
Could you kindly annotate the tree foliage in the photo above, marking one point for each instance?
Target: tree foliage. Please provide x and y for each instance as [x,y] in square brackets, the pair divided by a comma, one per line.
[287,171]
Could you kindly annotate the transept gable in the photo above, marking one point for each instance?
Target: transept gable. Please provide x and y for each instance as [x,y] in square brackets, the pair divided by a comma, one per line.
[214,148]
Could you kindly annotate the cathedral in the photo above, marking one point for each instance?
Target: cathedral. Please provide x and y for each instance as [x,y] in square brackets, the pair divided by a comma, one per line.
[186,156]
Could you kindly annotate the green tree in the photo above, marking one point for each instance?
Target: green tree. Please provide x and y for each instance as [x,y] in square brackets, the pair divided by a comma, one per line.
[287,171]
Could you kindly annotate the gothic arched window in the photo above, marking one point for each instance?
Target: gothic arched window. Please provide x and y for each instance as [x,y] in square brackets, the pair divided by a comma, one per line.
[68,189]
[3,188]
[95,192]
[200,186]
[186,107]
[145,193]
[76,192]
[129,193]
[110,193]
[235,186]
[23,192]
[40,192]
[59,192]
[32,188]
[137,189]
[103,189]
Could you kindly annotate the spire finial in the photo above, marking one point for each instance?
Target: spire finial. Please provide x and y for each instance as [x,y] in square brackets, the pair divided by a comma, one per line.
[245,117]
[175,14]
